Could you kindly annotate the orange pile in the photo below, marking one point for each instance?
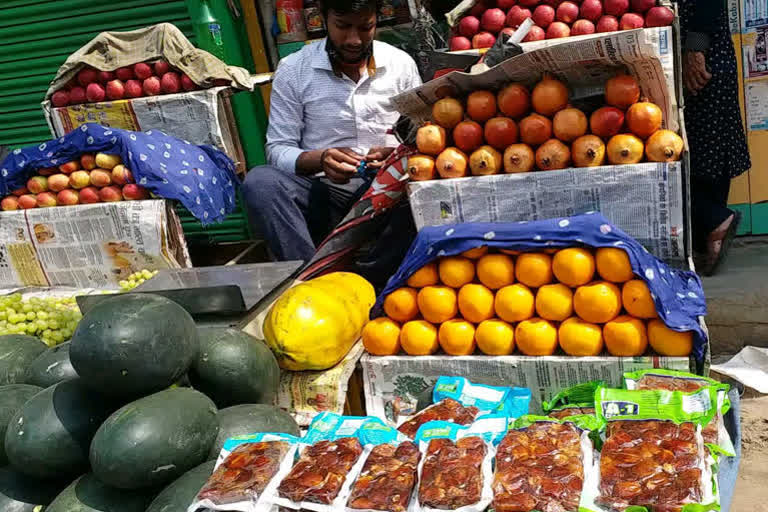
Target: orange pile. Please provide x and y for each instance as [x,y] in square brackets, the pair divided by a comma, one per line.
[578,299]
[520,129]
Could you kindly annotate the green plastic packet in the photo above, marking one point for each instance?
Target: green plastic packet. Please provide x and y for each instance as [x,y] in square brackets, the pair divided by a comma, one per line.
[578,399]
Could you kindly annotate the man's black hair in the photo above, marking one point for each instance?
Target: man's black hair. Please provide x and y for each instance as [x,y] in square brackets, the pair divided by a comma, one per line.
[348,6]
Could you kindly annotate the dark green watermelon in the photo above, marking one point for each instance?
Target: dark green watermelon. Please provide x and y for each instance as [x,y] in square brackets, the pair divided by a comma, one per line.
[49,436]
[180,494]
[133,345]
[20,493]
[88,494]
[12,397]
[51,367]
[17,351]
[154,440]
[234,368]
[244,419]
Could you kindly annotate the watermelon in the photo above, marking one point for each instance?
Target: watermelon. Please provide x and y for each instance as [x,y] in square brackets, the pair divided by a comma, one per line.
[51,367]
[154,440]
[49,436]
[12,397]
[88,494]
[234,368]
[133,344]
[251,418]
[17,351]
[180,494]
[20,493]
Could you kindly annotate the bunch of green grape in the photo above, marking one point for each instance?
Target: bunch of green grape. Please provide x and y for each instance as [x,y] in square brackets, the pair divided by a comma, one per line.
[52,319]
[136,279]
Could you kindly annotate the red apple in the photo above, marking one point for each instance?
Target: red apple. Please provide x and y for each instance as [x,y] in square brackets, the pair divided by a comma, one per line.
[460,43]
[642,5]
[70,167]
[115,90]
[142,70]
[478,9]
[582,28]
[505,5]
[79,179]
[170,83]
[87,161]
[124,74]
[121,175]
[508,30]
[616,7]
[557,30]
[89,195]
[630,21]
[659,17]
[110,194]
[543,15]
[536,33]
[46,199]
[87,76]
[468,26]
[493,20]
[151,86]
[60,99]
[105,77]
[517,15]
[68,197]
[133,89]
[9,203]
[161,67]
[483,40]
[591,10]
[77,96]
[58,182]
[37,184]
[95,93]
[101,178]
[187,84]
[608,24]
[529,3]
[27,201]
[135,192]
[567,12]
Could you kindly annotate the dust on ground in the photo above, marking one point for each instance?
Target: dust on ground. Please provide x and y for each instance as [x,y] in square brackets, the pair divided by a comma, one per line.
[751,494]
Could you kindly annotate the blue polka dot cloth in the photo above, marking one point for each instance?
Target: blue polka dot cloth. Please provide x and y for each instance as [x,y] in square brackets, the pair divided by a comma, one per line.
[202,178]
[678,294]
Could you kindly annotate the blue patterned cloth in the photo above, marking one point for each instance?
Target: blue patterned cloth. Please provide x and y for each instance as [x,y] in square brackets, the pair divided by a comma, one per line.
[202,178]
[678,294]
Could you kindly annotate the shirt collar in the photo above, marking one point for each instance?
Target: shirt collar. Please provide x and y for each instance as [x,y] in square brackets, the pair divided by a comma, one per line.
[320,59]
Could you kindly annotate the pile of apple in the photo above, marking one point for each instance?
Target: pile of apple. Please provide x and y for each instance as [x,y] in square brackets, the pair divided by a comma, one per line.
[142,79]
[93,178]
[554,19]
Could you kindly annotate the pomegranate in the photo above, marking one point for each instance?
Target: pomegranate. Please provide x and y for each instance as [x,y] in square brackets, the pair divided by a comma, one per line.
[664,146]
[535,33]
[616,7]
[553,155]
[485,160]
[591,9]
[518,158]
[622,91]
[553,3]
[517,15]
[659,17]
[606,122]
[543,15]
[588,151]
[430,139]
[643,119]
[582,28]
[624,149]
[447,112]
[493,20]
[481,106]
[529,3]
[468,136]
[459,43]
[557,30]
[505,5]
[567,12]
[508,30]
[607,24]
[483,40]
[641,5]
[451,163]
[500,132]
[549,95]
[535,129]
[421,168]
[631,20]
[514,100]
[478,9]
[469,26]
[569,124]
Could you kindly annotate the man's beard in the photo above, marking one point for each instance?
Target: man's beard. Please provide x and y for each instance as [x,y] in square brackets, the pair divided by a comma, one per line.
[337,55]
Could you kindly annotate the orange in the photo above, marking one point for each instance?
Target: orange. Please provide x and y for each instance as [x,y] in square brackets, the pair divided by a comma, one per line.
[580,338]
[476,253]
[511,252]
[495,337]
[437,303]
[456,271]
[400,305]
[475,302]
[381,337]
[554,302]
[534,269]
[496,270]
[625,336]
[418,338]
[597,302]
[457,337]
[667,342]
[637,299]
[613,264]
[536,337]
[514,303]
[573,266]
[425,276]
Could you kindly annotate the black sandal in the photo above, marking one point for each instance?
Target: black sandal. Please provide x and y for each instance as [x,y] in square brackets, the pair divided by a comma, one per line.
[725,244]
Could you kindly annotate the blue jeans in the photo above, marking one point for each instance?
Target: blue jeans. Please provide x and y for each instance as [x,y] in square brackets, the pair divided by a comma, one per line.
[729,466]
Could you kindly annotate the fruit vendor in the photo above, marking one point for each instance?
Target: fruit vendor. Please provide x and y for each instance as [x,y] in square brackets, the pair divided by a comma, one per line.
[330,110]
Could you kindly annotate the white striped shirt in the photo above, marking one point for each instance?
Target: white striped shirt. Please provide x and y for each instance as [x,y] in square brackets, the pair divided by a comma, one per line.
[312,108]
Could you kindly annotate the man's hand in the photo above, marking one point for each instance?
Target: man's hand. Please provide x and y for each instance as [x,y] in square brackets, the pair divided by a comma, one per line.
[695,74]
[376,156]
[340,164]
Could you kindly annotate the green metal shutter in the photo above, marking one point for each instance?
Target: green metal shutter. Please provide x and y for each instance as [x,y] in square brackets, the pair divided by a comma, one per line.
[36,37]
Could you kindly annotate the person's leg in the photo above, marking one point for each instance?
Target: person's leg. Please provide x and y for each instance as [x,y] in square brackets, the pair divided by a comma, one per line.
[709,199]
[278,203]
[329,204]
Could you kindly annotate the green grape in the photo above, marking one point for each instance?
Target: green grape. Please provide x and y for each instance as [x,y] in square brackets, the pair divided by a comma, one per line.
[31,315]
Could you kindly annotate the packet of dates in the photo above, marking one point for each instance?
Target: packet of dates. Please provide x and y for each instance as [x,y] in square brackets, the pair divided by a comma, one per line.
[541,463]
[331,456]
[457,400]
[716,437]
[247,472]
[653,457]
[456,472]
[578,399]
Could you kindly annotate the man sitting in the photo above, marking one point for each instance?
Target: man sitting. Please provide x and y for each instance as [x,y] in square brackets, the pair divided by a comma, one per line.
[330,110]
